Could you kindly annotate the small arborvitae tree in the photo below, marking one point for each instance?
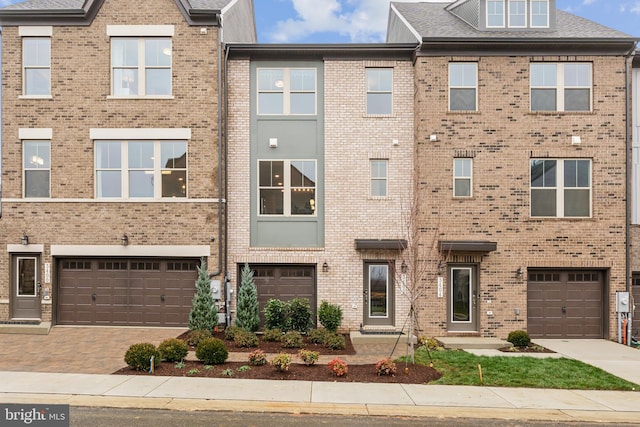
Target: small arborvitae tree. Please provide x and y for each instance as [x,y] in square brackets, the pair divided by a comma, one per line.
[248,314]
[204,313]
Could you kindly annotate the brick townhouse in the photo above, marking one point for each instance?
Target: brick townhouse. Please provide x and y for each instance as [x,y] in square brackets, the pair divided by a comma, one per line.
[111,168]
[320,168]
[521,148]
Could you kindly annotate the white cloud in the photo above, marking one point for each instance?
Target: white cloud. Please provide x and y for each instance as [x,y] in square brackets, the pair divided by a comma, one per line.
[588,2]
[635,7]
[363,21]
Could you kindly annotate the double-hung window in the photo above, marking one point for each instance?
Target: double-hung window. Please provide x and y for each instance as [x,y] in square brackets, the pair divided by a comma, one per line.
[495,13]
[561,188]
[36,62]
[379,172]
[379,91]
[561,86]
[287,91]
[287,187]
[517,13]
[141,67]
[141,169]
[463,86]
[37,168]
[462,177]
[539,13]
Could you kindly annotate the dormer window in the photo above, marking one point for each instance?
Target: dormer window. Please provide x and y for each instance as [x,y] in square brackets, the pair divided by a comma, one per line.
[495,13]
[539,13]
[517,13]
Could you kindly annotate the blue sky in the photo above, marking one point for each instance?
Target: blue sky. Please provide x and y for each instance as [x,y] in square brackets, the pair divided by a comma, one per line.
[363,21]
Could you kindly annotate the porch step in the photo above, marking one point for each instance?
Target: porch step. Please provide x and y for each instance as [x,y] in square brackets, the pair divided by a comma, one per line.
[41,328]
[385,337]
[472,343]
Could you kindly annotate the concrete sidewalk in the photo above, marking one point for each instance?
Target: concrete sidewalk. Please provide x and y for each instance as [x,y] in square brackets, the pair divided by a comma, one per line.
[189,394]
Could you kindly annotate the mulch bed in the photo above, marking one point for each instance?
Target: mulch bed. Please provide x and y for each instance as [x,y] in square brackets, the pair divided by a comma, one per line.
[405,374]
[415,374]
[276,347]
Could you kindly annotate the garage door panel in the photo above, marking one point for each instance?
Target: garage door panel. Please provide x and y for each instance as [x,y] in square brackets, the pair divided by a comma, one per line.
[571,304]
[128,292]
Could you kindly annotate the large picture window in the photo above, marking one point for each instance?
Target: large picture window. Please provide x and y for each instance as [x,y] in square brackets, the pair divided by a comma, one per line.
[141,67]
[36,63]
[379,91]
[463,86]
[287,91]
[141,169]
[561,86]
[560,188]
[37,168]
[287,187]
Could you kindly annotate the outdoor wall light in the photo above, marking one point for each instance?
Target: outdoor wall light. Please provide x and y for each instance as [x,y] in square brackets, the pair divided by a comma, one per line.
[24,239]
[440,268]
[124,240]
[519,273]
[325,267]
[403,267]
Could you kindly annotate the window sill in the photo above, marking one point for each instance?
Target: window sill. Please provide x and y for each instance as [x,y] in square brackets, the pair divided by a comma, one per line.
[562,113]
[141,97]
[564,218]
[463,112]
[379,116]
[381,198]
[35,97]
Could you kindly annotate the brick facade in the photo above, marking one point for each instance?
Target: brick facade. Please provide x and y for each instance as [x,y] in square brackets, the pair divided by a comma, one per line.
[80,82]
[502,137]
[351,139]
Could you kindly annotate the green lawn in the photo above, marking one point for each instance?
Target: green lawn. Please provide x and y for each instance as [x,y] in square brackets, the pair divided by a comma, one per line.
[461,368]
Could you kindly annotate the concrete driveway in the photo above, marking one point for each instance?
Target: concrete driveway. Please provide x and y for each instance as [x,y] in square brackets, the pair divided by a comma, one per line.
[72,349]
[617,359]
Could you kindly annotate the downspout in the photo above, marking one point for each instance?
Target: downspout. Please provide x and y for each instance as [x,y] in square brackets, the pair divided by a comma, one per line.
[629,149]
[227,276]
[220,198]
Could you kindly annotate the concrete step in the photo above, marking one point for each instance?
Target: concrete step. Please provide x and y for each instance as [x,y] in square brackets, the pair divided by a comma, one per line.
[41,328]
[380,338]
[472,342]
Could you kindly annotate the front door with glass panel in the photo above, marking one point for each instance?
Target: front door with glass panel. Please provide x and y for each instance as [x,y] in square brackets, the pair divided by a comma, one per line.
[25,284]
[463,292]
[378,294]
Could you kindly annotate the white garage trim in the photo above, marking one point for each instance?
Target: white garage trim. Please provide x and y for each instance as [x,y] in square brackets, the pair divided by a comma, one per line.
[130,251]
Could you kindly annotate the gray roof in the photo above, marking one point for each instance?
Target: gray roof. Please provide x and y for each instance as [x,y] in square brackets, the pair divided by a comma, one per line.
[78,4]
[433,21]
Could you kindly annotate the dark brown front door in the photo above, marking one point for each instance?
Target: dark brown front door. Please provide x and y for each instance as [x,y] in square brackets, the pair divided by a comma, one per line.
[283,282]
[128,292]
[565,304]
[25,284]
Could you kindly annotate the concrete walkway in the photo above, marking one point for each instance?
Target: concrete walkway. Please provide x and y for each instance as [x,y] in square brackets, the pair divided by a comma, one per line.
[25,380]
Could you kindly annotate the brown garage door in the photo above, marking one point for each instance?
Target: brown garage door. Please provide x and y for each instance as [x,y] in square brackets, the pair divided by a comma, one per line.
[125,292]
[284,283]
[565,304]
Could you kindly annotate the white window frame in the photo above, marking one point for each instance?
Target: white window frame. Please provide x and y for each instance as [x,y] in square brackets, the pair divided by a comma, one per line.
[376,178]
[124,169]
[532,15]
[511,3]
[287,189]
[494,14]
[457,178]
[560,86]
[379,92]
[25,67]
[287,91]
[560,188]
[25,169]
[142,67]
[474,87]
